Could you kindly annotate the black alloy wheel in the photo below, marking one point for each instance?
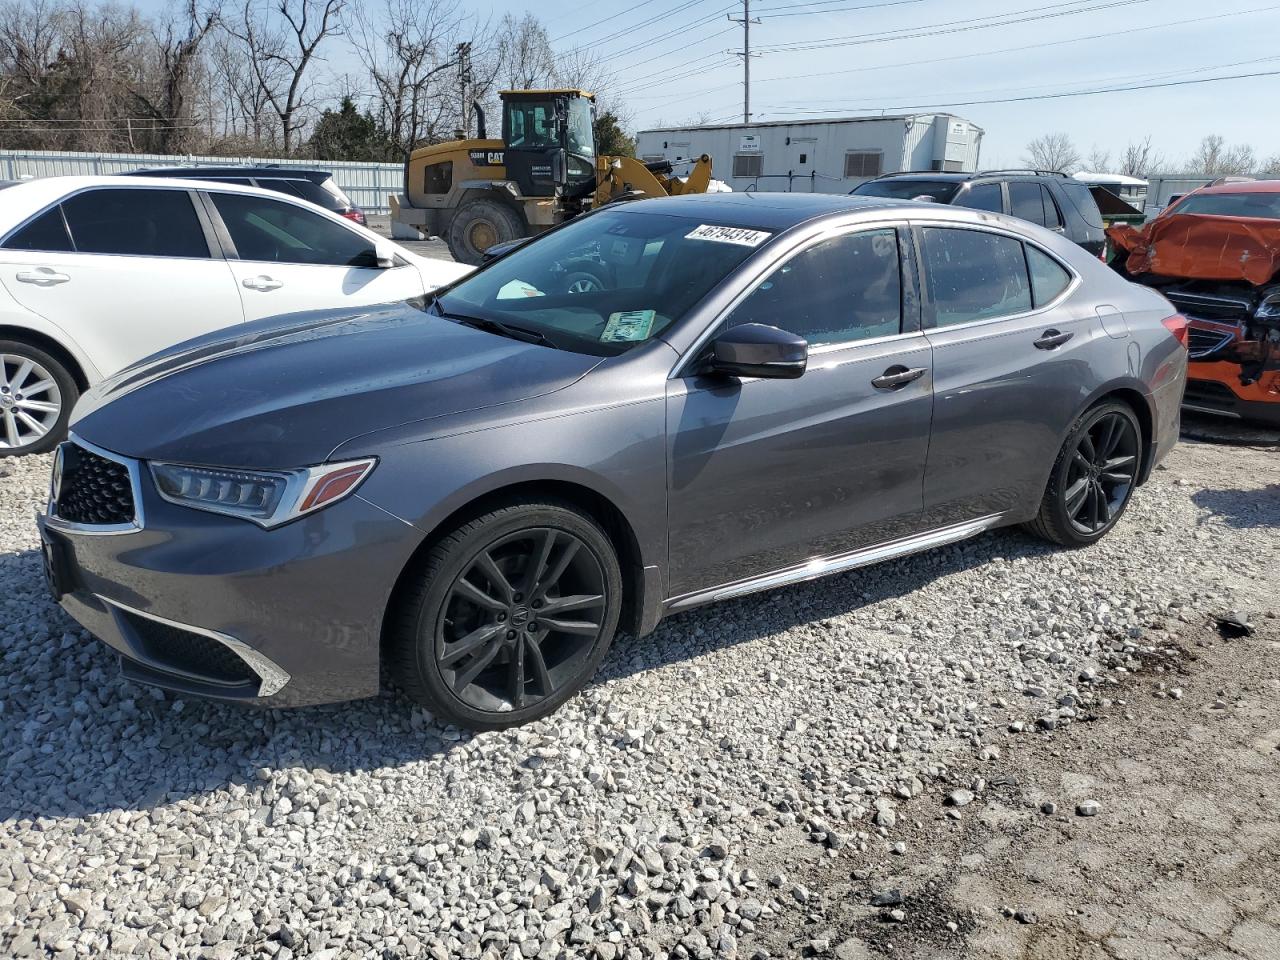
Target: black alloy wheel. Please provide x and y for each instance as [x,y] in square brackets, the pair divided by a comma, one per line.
[521,620]
[1101,473]
[1093,478]
[508,616]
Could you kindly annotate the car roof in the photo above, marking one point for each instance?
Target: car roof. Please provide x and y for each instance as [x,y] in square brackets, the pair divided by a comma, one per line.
[1247,186]
[232,170]
[23,199]
[775,211]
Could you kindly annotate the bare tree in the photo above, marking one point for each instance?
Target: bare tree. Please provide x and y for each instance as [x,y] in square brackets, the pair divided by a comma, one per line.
[1139,159]
[281,45]
[1215,159]
[524,52]
[1271,165]
[177,44]
[1053,151]
[1099,160]
[410,52]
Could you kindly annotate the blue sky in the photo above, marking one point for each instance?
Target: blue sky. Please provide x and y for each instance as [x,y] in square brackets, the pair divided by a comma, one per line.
[671,62]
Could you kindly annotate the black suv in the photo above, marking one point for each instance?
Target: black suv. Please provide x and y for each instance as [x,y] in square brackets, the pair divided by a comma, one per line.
[1053,200]
[314,186]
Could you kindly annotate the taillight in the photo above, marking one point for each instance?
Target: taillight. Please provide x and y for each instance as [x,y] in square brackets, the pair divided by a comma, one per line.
[1177,325]
[356,215]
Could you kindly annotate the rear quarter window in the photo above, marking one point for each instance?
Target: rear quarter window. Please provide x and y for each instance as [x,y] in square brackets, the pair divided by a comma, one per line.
[1080,197]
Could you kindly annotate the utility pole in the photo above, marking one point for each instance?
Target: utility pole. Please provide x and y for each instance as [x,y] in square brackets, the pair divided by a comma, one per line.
[464,81]
[746,55]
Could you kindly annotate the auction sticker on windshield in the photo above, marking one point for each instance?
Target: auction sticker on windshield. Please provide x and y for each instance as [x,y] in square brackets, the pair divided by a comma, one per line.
[627,326]
[737,235]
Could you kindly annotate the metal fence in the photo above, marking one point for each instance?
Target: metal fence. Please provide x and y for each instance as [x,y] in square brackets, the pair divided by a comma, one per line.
[367,184]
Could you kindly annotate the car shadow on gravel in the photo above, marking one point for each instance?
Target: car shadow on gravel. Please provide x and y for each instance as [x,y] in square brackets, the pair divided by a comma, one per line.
[1242,509]
[103,743]
[731,622]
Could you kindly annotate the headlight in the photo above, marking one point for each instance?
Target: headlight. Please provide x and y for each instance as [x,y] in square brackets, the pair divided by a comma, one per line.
[267,497]
[1269,308]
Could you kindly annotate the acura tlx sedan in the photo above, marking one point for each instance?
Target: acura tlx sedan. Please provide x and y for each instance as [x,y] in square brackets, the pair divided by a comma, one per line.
[655,406]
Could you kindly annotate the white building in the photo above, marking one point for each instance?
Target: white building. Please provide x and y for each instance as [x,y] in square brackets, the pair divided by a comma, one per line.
[820,156]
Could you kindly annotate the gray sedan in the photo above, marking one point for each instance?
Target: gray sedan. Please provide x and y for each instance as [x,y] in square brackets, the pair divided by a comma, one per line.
[655,406]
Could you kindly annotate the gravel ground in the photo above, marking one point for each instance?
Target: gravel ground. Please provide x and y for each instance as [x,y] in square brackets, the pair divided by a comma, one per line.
[650,816]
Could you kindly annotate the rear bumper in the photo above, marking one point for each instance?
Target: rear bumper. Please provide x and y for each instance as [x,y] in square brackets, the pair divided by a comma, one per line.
[218,607]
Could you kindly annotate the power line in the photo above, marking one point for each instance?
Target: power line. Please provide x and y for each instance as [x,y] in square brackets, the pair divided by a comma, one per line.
[965,25]
[1063,94]
[612,16]
[806,13]
[1017,49]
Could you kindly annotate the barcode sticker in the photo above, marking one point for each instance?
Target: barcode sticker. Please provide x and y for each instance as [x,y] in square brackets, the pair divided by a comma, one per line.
[738,235]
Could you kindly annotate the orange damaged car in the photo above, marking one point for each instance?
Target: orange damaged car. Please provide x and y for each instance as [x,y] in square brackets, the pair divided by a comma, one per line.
[1216,255]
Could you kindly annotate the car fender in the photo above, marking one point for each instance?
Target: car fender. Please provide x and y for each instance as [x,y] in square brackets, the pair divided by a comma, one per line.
[15,318]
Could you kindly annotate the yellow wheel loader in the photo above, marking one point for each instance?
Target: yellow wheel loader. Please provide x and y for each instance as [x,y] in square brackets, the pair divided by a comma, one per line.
[480,193]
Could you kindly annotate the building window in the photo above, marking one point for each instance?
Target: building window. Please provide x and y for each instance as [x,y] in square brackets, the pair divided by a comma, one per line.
[863,163]
[438,177]
[748,165]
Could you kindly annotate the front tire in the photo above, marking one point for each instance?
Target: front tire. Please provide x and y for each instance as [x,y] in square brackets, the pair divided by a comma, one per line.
[1093,477]
[479,225]
[508,616]
[36,396]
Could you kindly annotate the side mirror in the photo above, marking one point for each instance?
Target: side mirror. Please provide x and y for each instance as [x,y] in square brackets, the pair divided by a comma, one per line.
[502,249]
[560,168]
[384,256]
[757,350]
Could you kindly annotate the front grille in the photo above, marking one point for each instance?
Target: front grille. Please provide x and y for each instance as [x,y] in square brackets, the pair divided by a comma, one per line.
[1210,393]
[94,490]
[193,654]
[1209,306]
[1201,343]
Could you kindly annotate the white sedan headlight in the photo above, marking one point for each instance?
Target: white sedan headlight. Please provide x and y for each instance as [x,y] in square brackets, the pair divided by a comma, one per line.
[267,497]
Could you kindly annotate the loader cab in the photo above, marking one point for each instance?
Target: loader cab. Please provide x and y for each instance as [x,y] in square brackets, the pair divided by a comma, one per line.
[548,141]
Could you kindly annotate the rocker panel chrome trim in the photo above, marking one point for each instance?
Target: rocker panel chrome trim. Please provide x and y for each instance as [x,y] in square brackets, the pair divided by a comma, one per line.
[823,566]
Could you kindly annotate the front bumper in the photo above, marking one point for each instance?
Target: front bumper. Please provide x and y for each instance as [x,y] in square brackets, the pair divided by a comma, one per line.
[215,606]
[1214,387]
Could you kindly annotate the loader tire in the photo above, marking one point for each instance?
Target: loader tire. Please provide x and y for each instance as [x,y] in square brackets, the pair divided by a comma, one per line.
[479,225]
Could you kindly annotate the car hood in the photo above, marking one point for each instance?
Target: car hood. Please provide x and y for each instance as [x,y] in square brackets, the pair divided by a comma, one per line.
[1202,247]
[286,392]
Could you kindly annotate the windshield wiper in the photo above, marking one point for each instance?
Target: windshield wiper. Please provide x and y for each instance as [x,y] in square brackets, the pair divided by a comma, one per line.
[508,330]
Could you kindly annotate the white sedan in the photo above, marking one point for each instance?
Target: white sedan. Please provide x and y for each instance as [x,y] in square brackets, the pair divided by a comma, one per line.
[99,272]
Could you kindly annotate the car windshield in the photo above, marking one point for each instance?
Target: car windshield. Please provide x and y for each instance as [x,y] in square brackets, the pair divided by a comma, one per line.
[604,283]
[940,190]
[1265,206]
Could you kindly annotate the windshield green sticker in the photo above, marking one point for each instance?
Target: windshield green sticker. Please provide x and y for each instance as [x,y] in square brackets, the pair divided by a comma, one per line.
[628,326]
[736,235]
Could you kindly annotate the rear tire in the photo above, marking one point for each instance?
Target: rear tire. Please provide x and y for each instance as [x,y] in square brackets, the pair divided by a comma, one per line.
[479,225]
[484,641]
[36,396]
[1093,477]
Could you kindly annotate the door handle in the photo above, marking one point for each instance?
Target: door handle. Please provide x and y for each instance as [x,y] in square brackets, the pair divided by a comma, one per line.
[42,277]
[263,283]
[898,376]
[1052,339]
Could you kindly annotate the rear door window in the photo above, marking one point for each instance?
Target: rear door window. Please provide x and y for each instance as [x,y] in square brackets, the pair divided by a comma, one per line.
[983,196]
[973,275]
[1052,218]
[1026,201]
[267,230]
[135,222]
[46,232]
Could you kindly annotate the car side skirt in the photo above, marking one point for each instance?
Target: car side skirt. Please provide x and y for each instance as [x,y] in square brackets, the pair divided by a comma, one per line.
[839,563]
